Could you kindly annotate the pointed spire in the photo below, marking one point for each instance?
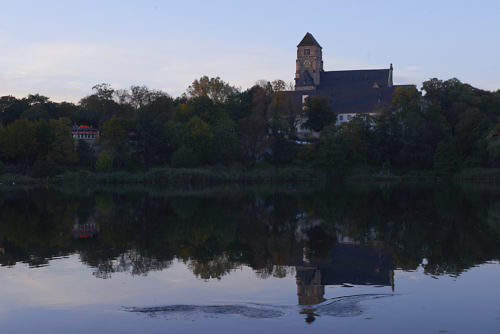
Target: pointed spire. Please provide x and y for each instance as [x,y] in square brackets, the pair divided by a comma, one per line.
[309,40]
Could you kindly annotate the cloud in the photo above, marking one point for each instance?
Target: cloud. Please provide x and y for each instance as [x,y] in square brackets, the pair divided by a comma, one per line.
[68,70]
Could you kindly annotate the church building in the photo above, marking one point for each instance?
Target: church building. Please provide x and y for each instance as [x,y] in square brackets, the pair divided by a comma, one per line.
[349,92]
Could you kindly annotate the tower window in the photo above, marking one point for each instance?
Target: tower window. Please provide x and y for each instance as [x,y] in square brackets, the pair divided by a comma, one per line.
[307,52]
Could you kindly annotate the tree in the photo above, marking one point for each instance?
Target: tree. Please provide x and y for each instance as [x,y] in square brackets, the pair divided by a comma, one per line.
[151,140]
[333,153]
[318,113]
[11,109]
[215,88]
[447,158]
[278,85]
[407,100]
[44,168]
[86,154]
[104,162]
[100,107]
[225,141]
[61,147]
[18,142]
[200,138]
[185,157]
[282,115]
[138,96]
[253,129]
[115,137]
[103,91]
[471,132]
[282,119]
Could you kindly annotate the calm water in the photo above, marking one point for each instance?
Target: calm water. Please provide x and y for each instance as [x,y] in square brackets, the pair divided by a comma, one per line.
[407,259]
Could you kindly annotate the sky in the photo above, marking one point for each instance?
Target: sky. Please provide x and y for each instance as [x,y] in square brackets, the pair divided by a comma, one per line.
[62,48]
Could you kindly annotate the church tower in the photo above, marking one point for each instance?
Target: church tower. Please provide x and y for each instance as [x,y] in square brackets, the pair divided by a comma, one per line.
[309,64]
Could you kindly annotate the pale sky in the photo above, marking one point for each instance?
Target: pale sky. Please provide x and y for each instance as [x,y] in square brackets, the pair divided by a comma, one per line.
[62,48]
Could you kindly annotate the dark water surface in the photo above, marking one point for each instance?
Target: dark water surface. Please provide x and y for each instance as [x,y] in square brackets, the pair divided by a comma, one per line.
[378,259]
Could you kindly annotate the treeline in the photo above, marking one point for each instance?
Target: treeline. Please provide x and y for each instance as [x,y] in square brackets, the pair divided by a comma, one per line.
[447,126]
[213,124]
[452,126]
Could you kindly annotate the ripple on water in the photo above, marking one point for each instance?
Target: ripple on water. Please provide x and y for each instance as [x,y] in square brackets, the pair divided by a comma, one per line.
[347,306]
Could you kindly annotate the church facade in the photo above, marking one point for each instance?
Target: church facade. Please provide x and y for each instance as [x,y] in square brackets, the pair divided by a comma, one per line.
[349,92]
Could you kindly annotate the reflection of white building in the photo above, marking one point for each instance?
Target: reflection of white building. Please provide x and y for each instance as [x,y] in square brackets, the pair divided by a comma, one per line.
[85,231]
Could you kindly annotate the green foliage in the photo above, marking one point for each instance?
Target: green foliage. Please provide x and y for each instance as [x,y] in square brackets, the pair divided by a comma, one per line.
[306,153]
[318,113]
[493,146]
[61,144]
[470,133]
[104,162]
[282,115]
[214,88]
[217,125]
[86,154]
[116,139]
[225,142]
[446,158]
[23,142]
[17,142]
[44,168]
[185,157]
[333,154]
[283,150]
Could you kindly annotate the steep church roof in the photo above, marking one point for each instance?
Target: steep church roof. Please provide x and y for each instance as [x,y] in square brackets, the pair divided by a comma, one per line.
[355,78]
[309,40]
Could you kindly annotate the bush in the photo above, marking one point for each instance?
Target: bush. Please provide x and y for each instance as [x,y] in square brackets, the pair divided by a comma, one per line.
[306,153]
[104,162]
[446,158]
[284,151]
[185,157]
[86,154]
[43,168]
[263,165]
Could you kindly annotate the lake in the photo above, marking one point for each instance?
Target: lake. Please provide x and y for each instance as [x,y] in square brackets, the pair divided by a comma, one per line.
[342,259]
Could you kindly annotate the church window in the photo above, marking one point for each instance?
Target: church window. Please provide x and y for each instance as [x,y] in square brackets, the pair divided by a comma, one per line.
[307,52]
[341,117]
[304,98]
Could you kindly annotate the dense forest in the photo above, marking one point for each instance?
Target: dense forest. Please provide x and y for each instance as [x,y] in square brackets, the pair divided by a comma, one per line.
[445,127]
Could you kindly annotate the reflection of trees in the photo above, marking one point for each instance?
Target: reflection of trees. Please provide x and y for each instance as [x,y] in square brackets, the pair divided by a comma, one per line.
[131,262]
[214,268]
[452,229]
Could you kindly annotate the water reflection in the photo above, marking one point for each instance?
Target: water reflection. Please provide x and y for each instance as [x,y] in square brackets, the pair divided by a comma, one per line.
[343,236]
[347,264]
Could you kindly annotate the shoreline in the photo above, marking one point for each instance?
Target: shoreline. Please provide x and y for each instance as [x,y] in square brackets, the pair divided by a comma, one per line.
[203,177]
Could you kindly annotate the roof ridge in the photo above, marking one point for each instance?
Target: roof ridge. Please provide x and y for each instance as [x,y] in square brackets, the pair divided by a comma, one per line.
[309,40]
[370,69]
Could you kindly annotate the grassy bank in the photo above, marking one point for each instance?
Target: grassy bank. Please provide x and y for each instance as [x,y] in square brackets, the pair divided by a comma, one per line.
[479,175]
[175,177]
[202,177]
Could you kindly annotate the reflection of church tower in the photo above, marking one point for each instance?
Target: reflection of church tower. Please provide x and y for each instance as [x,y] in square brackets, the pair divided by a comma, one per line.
[309,288]
[347,263]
